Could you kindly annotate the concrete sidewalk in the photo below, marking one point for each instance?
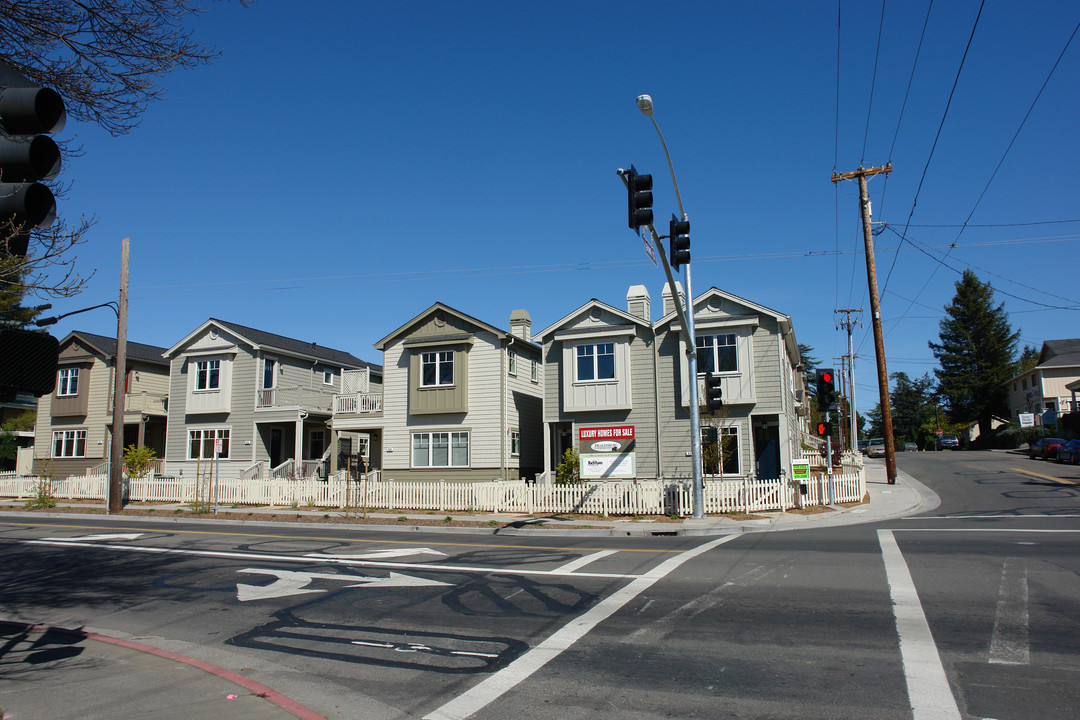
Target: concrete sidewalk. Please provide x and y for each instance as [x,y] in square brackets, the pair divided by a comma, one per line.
[59,673]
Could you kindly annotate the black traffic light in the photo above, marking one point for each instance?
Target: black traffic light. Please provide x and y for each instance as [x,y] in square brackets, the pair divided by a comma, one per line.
[826,389]
[824,429]
[27,362]
[26,157]
[639,198]
[714,394]
[679,238]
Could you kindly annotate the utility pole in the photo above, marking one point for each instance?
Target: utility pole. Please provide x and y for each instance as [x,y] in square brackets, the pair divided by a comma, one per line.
[116,464]
[852,423]
[875,312]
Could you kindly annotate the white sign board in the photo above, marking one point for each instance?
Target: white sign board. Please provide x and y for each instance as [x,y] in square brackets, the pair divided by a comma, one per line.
[1027,420]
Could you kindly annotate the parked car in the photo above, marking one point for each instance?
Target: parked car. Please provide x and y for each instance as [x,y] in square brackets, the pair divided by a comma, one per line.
[1069,452]
[1044,448]
[949,442]
[863,444]
[876,447]
[911,447]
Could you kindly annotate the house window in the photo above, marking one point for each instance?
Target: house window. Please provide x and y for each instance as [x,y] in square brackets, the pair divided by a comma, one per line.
[716,353]
[68,383]
[535,372]
[201,443]
[69,443]
[437,368]
[207,374]
[596,362]
[327,377]
[712,440]
[1023,384]
[316,444]
[440,449]
[515,443]
[513,363]
[269,365]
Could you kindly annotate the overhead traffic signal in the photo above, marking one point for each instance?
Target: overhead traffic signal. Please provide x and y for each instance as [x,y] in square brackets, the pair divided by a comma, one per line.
[679,239]
[27,362]
[27,156]
[714,394]
[826,389]
[639,199]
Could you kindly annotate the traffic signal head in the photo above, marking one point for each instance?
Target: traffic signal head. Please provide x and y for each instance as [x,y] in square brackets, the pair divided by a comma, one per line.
[826,389]
[824,429]
[639,199]
[26,157]
[679,239]
[714,394]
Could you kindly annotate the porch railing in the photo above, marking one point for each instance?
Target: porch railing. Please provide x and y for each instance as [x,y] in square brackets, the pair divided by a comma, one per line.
[358,403]
[303,397]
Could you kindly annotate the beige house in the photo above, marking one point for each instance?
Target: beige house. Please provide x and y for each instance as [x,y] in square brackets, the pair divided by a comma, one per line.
[1045,387]
[74,422]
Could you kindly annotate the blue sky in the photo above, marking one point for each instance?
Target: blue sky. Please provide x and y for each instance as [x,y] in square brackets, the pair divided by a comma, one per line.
[344,165]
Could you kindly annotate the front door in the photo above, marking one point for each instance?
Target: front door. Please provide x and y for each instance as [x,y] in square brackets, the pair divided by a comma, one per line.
[275,448]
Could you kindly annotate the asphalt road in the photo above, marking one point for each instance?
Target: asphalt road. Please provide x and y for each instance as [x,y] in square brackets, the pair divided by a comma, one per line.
[967,611]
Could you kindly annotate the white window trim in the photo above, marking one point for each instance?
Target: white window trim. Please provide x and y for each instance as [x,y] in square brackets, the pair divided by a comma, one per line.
[595,363]
[328,377]
[511,362]
[195,379]
[69,436]
[202,441]
[450,438]
[713,347]
[438,362]
[67,377]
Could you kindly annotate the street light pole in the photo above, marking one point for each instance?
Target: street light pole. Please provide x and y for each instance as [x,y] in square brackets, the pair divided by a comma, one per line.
[645,104]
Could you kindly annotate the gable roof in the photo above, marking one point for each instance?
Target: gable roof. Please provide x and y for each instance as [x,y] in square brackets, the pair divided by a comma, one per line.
[107,346]
[500,334]
[594,303]
[1060,353]
[262,340]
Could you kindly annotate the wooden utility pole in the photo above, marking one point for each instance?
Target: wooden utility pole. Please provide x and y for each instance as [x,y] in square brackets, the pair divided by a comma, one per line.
[116,455]
[875,312]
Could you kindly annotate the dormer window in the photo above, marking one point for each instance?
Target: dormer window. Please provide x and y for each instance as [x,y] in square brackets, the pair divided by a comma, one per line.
[437,368]
[207,374]
[716,353]
[596,362]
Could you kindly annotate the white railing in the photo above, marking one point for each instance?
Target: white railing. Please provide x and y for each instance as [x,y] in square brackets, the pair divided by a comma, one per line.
[150,403]
[304,397]
[357,403]
[607,498]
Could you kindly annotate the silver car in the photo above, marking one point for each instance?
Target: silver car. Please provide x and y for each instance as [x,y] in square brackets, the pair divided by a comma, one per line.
[876,448]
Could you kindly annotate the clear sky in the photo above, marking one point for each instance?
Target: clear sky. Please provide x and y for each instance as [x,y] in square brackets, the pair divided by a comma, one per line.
[344,165]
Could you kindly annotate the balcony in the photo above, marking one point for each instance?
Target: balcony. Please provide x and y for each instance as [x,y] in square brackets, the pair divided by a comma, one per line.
[146,403]
[358,404]
[306,398]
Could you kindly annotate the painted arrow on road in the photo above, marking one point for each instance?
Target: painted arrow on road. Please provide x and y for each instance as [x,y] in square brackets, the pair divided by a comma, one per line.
[296,583]
[117,536]
[380,554]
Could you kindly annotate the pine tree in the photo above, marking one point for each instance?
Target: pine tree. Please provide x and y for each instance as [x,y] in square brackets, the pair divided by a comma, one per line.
[977,354]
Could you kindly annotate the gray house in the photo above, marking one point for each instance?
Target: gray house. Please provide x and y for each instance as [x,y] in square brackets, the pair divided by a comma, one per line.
[249,403]
[460,401]
[621,398]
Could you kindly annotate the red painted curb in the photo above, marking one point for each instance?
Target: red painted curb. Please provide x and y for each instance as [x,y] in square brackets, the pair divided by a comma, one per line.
[256,688]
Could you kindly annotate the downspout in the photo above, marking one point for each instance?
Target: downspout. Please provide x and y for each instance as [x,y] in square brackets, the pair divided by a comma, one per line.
[502,409]
[656,399]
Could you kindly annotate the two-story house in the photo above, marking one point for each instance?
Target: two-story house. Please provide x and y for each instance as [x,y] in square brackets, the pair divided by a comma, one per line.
[249,403]
[460,401]
[1043,387]
[74,423]
[619,393]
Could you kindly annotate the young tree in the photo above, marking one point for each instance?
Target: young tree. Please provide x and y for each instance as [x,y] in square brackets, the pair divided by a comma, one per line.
[912,407]
[105,59]
[977,354]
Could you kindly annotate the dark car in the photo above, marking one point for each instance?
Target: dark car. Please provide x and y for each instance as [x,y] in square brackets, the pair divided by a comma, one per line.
[1069,452]
[950,442]
[1044,448]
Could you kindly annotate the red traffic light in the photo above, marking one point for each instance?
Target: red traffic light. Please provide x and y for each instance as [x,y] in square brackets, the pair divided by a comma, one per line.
[826,376]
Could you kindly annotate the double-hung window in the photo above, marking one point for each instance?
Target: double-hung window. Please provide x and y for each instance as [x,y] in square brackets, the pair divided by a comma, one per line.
[201,442]
[716,353]
[208,374]
[68,382]
[440,449]
[596,362]
[69,443]
[437,368]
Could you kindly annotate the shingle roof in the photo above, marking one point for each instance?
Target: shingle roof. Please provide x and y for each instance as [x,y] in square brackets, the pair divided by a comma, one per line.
[135,351]
[1060,353]
[297,347]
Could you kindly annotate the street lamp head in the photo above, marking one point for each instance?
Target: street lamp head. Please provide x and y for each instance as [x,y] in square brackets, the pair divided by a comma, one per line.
[644,103]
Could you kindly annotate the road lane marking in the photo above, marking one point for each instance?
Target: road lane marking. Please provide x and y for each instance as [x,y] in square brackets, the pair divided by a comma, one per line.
[104,536]
[288,582]
[581,562]
[494,686]
[992,517]
[378,554]
[1009,643]
[929,693]
[327,560]
[1062,481]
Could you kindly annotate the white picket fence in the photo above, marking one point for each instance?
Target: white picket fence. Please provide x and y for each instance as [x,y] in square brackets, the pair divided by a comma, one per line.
[606,498]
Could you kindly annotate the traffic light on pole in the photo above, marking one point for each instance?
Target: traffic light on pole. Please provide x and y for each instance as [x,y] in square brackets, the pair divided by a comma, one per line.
[824,429]
[826,389]
[679,238]
[639,199]
[27,156]
[714,394]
